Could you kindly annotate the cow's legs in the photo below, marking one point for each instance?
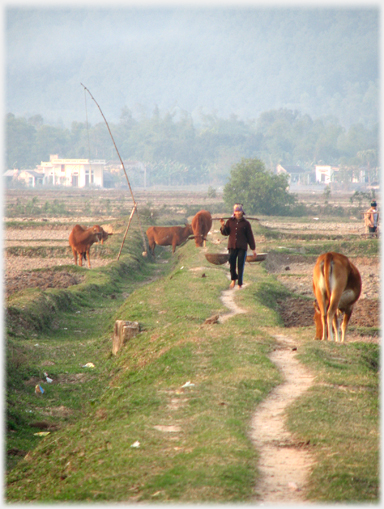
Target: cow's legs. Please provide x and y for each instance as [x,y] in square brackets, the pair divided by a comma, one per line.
[74,256]
[331,317]
[89,259]
[336,326]
[151,246]
[324,321]
[344,325]
[323,314]
[321,298]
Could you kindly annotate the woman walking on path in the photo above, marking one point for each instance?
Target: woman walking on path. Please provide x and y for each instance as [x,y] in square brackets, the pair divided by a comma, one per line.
[240,234]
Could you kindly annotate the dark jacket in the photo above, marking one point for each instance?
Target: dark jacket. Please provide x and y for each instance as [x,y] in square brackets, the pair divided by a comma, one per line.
[240,234]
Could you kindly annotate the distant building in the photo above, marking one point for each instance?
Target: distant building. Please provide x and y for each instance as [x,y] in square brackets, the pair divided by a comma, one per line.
[325,173]
[296,174]
[72,172]
[361,176]
[29,178]
[10,176]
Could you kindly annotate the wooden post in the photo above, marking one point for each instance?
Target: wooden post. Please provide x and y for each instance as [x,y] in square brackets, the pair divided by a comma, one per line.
[126,231]
[122,333]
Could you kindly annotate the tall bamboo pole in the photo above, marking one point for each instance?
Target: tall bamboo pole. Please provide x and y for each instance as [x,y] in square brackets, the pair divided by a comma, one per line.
[129,185]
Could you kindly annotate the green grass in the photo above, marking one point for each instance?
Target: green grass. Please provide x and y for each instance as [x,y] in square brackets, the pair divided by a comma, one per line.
[315,247]
[207,456]
[210,457]
[340,419]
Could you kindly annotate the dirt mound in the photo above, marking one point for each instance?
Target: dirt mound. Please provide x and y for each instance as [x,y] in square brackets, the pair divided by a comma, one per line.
[297,312]
[42,280]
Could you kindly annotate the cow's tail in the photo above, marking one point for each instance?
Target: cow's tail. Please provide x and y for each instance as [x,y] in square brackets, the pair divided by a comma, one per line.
[327,270]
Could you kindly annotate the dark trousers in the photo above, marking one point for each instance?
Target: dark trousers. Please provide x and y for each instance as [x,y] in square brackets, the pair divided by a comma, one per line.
[239,255]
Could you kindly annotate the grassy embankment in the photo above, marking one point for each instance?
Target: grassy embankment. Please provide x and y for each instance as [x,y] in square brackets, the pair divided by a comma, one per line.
[194,441]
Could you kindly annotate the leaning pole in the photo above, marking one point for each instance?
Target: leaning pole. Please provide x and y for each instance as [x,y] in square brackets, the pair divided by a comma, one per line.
[134,209]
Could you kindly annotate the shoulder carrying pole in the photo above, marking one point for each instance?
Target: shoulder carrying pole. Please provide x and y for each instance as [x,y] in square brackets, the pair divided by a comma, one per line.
[216,218]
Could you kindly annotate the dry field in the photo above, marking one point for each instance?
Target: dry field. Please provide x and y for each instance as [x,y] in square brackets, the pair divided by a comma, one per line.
[294,271]
[18,269]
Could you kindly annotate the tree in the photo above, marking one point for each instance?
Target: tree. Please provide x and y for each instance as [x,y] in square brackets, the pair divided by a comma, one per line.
[51,140]
[20,142]
[259,190]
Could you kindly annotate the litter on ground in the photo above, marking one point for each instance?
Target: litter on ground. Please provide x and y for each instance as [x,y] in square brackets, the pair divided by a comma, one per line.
[39,389]
[88,365]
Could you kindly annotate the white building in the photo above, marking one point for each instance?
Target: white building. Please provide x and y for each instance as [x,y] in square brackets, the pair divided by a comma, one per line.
[29,178]
[325,173]
[72,172]
[296,174]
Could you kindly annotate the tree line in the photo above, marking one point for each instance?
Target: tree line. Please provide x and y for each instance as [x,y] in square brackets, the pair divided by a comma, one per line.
[176,150]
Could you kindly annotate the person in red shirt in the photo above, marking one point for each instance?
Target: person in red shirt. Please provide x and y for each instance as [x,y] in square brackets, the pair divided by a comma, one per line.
[240,234]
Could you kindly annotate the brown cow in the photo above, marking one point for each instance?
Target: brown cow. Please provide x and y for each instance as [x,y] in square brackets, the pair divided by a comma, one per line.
[167,236]
[337,286]
[201,224]
[81,240]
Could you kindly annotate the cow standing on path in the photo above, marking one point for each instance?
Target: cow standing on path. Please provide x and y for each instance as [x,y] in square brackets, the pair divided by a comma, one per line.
[81,240]
[167,236]
[201,224]
[337,287]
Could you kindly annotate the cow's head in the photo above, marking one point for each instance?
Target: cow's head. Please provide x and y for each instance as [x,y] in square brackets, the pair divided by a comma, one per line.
[98,232]
[102,235]
[317,320]
[199,239]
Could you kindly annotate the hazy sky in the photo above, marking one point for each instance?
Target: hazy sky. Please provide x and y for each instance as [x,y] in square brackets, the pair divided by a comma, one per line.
[159,55]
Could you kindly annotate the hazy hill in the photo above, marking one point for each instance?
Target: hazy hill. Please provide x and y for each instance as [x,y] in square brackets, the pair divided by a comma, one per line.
[240,61]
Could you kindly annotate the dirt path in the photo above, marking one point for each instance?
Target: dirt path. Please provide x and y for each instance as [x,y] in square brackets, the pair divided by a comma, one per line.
[227,298]
[284,464]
